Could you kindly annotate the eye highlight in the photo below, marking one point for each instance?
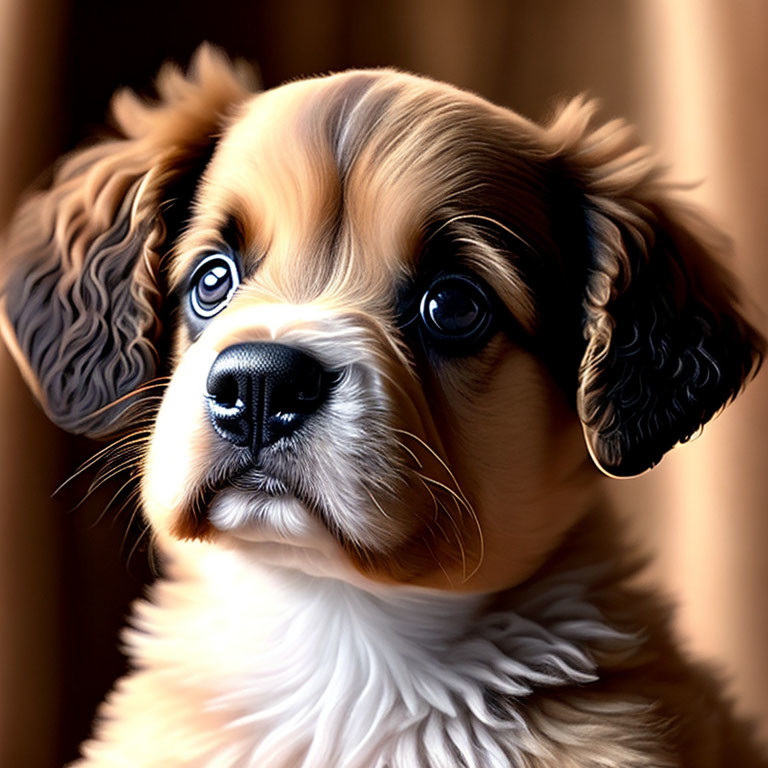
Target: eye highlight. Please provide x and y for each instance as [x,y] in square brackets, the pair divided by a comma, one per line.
[214,281]
[456,314]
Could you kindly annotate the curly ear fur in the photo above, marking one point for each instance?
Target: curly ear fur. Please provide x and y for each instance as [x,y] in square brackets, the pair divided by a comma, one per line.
[82,293]
[666,345]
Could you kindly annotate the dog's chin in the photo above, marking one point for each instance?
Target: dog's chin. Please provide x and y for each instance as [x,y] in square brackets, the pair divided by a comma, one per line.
[262,516]
[278,530]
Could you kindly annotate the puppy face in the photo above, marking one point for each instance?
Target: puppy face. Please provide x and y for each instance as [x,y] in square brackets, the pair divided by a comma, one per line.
[398,309]
[345,207]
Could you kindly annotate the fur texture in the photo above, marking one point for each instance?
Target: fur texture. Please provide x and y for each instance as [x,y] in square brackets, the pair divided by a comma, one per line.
[396,678]
[420,576]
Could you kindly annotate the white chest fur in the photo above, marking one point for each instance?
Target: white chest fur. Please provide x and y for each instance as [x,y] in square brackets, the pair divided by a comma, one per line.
[282,670]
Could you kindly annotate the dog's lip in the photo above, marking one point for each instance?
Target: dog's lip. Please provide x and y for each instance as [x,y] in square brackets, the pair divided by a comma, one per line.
[255,480]
[248,478]
[243,477]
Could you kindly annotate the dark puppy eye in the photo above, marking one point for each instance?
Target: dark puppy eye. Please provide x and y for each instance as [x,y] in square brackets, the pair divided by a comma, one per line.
[213,283]
[457,314]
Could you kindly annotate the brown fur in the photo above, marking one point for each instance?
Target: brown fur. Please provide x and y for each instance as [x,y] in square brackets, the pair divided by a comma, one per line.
[337,191]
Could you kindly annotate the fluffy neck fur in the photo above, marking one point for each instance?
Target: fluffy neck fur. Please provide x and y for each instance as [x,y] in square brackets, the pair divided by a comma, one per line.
[315,672]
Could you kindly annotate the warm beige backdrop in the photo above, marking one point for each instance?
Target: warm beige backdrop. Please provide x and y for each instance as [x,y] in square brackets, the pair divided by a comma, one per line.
[692,74]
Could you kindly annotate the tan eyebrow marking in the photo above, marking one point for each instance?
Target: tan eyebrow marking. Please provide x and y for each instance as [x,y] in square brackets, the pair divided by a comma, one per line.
[480,217]
[492,263]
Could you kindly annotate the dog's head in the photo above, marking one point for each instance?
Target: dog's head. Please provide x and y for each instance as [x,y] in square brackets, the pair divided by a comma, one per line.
[391,312]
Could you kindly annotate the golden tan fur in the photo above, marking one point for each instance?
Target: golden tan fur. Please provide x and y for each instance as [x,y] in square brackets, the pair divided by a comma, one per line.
[338,189]
[276,171]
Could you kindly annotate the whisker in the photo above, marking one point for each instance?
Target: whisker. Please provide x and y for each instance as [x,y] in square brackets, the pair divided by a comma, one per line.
[455,527]
[134,512]
[151,556]
[130,499]
[458,495]
[466,577]
[110,471]
[114,446]
[436,456]
[135,546]
[437,560]
[109,503]
[470,510]
[155,383]
[464,503]
[132,494]
[402,445]
[107,473]
[377,505]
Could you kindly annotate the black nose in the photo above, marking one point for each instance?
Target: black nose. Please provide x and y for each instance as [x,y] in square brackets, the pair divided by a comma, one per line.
[260,392]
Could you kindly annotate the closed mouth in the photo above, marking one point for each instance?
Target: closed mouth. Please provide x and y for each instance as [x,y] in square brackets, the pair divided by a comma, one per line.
[194,520]
[248,478]
[254,480]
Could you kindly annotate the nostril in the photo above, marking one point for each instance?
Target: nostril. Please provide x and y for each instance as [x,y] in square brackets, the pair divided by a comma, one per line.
[302,393]
[311,388]
[225,391]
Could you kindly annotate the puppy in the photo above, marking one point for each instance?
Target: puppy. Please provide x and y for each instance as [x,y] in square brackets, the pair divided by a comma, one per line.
[391,329]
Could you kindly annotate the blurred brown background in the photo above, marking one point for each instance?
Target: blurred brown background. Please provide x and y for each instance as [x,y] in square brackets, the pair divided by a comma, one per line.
[692,74]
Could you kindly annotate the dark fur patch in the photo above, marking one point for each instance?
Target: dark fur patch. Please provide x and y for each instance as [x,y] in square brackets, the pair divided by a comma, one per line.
[84,285]
[679,351]
[85,336]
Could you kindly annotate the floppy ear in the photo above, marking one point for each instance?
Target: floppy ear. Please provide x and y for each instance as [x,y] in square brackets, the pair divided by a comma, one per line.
[82,291]
[666,345]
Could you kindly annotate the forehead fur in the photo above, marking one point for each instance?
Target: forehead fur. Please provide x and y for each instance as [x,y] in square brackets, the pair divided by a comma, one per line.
[341,177]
